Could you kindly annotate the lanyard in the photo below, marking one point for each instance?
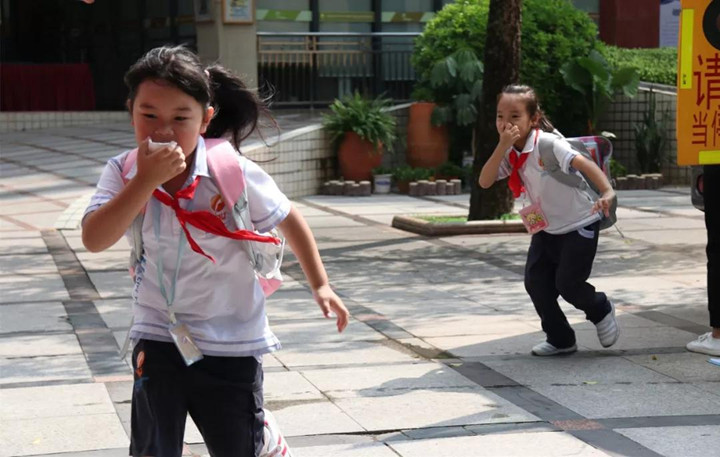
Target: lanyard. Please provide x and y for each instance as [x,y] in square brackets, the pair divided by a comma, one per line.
[182,242]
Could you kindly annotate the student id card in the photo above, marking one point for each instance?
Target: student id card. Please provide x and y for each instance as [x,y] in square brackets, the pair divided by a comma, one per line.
[185,344]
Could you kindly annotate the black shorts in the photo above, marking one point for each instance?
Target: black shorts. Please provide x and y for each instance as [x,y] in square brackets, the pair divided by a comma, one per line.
[223,395]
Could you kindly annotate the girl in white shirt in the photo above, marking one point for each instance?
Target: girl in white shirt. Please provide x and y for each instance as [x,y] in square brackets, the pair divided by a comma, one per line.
[561,255]
[174,99]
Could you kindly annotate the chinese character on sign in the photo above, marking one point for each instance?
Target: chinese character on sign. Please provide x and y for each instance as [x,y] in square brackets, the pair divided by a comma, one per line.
[700,128]
[711,89]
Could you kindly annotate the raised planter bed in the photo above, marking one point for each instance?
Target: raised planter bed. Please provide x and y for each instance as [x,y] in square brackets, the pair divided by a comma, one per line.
[427,228]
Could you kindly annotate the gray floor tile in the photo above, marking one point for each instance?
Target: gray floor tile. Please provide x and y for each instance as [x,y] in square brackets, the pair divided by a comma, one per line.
[35,369]
[34,317]
[389,410]
[698,441]
[633,400]
[504,445]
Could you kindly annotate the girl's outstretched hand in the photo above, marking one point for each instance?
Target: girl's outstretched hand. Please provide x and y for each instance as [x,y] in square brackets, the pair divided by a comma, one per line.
[603,203]
[328,300]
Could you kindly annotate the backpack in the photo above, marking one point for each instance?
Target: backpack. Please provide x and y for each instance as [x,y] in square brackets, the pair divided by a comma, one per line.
[597,149]
[225,170]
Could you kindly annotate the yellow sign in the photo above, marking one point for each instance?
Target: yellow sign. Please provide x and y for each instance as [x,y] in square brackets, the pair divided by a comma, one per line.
[698,85]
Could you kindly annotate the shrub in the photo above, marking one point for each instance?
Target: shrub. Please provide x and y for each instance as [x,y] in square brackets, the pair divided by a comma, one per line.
[657,65]
[553,32]
[366,117]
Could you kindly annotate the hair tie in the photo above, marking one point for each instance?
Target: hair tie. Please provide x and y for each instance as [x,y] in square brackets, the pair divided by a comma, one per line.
[207,73]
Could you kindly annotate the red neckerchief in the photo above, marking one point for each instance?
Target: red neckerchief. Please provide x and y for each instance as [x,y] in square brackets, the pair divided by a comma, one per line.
[517,160]
[204,220]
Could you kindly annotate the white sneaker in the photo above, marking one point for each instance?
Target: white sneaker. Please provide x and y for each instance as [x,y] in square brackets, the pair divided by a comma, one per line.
[705,344]
[545,349]
[607,329]
[274,444]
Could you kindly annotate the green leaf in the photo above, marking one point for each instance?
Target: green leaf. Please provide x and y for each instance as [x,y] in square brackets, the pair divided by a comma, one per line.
[451,65]
[476,91]
[626,80]
[577,77]
[439,75]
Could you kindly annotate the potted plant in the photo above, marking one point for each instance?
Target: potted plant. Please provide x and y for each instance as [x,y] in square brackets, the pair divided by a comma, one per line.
[382,179]
[360,128]
[403,176]
[427,143]
[448,171]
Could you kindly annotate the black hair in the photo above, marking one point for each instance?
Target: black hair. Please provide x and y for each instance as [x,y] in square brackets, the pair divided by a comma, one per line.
[532,103]
[237,109]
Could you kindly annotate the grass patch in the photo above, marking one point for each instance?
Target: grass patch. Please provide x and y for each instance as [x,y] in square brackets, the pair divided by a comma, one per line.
[461,219]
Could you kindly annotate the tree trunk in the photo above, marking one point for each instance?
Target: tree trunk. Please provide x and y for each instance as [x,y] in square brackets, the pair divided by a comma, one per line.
[502,66]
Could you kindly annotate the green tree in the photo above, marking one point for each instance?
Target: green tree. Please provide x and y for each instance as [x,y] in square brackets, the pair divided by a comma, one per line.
[502,63]
[554,32]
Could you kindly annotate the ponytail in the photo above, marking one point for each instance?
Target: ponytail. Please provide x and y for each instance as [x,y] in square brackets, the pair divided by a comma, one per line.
[543,122]
[237,109]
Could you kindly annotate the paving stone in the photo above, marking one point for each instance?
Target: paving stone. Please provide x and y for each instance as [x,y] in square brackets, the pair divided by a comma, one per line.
[32,288]
[314,418]
[67,400]
[343,382]
[27,264]
[34,317]
[487,344]
[575,370]
[638,338]
[712,387]
[62,434]
[39,345]
[697,441]
[74,240]
[431,325]
[346,450]
[449,407]
[326,221]
[289,386]
[116,313]
[106,260]
[111,284]
[341,353]
[323,331]
[55,368]
[505,445]
[633,400]
[685,367]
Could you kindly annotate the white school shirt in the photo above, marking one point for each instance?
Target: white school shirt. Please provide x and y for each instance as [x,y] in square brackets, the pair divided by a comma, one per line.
[566,208]
[221,303]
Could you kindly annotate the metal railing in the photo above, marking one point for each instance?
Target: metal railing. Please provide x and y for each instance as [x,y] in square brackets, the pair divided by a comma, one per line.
[312,69]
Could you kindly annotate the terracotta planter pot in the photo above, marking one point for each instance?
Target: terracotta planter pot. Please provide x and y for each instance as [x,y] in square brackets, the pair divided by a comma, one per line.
[357,158]
[403,186]
[427,145]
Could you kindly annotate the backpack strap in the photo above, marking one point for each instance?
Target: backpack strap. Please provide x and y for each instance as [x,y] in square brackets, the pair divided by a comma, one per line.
[227,173]
[552,166]
[224,167]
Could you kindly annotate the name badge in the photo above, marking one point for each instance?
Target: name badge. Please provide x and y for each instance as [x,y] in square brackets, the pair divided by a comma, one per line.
[185,344]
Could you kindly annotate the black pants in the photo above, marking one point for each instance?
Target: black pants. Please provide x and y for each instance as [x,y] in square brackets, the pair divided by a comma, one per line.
[222,394]
[559,265]
[711,194]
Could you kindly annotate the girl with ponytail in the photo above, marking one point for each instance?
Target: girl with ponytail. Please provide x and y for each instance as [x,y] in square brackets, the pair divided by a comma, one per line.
[213,310]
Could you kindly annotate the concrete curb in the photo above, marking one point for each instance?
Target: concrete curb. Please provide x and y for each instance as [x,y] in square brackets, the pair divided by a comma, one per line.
[423,227]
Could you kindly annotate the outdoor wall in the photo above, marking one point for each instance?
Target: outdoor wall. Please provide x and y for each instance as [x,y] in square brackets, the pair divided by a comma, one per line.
[300,161]
[32,120]
[624,113]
